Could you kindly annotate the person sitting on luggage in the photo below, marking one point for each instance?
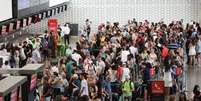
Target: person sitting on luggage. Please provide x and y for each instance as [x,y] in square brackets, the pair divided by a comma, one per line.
[127,89]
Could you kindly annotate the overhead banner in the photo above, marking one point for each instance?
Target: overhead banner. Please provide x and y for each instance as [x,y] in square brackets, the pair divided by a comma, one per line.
[52,25]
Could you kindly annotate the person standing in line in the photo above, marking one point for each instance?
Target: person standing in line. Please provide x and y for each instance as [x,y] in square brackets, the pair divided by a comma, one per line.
[84,92]
[46,93]
[66,32]
[127,88]
[87,27]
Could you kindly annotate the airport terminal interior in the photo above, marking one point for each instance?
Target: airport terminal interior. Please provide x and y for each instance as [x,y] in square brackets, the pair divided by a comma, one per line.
[100,50]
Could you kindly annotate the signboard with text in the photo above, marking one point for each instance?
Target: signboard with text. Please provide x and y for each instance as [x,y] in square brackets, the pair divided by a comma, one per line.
[157,87]
[52,25]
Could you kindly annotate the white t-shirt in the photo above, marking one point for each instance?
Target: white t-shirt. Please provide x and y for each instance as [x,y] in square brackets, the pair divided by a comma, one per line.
[124,55]
[126,72]
[76,57]
[36,55]
[133,50]
[65,30]
[55,69]
[84,86]
[168,79]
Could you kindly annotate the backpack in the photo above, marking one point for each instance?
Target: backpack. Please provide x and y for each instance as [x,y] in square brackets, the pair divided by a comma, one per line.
[178,71]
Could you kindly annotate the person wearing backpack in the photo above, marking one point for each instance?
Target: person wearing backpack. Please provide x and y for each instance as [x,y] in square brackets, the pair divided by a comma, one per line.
[127,89]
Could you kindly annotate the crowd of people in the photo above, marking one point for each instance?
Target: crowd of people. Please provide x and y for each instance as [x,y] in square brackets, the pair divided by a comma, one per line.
[117,63]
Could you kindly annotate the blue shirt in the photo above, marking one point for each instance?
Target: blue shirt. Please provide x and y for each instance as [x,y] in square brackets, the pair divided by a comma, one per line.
[194,34]
[107,87]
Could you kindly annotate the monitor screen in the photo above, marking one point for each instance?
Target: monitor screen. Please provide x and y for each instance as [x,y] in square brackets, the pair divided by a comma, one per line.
[56,2]
[29,21]
[49,13]
[62,8]
[4,30]
[24,23]
[11,27]
[40,16]
[44,15]
[18,24]
[6,5]
[22,4]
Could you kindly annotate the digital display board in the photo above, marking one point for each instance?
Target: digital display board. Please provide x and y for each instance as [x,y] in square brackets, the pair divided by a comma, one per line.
[6,5]
[22,4]
[56,2]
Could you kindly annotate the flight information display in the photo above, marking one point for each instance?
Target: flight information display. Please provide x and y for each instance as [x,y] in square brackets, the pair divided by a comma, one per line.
[6,5]
[22,4]
[56,2]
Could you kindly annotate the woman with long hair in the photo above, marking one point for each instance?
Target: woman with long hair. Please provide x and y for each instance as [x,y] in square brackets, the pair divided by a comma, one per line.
[192,52]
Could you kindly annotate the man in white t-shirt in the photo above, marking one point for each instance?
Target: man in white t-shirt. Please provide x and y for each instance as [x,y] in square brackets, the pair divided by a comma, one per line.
[66,32]
[84,91]
[126,72]
[75,56]
[124,56]
[133,50]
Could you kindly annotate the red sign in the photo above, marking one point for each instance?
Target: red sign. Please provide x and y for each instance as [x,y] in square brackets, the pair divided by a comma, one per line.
[18,25]
[11,27]
[1,99]
[52,25]
[157,87]
[13,96]
[33,82]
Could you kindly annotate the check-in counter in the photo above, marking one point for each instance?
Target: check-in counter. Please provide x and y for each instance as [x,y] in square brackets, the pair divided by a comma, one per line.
[30,71]
[9,87]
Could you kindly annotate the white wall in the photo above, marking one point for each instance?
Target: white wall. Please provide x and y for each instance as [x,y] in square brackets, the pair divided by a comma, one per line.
[121,10]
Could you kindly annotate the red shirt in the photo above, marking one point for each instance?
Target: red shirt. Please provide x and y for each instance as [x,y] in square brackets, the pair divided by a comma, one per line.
[164,52]
[119,73]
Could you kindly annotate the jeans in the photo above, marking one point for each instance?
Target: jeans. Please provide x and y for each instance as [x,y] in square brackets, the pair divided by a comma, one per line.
[66,39]
[126,98]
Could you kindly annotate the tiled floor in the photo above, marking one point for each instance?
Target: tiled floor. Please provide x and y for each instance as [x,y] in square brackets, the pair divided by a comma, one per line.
[193,78]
